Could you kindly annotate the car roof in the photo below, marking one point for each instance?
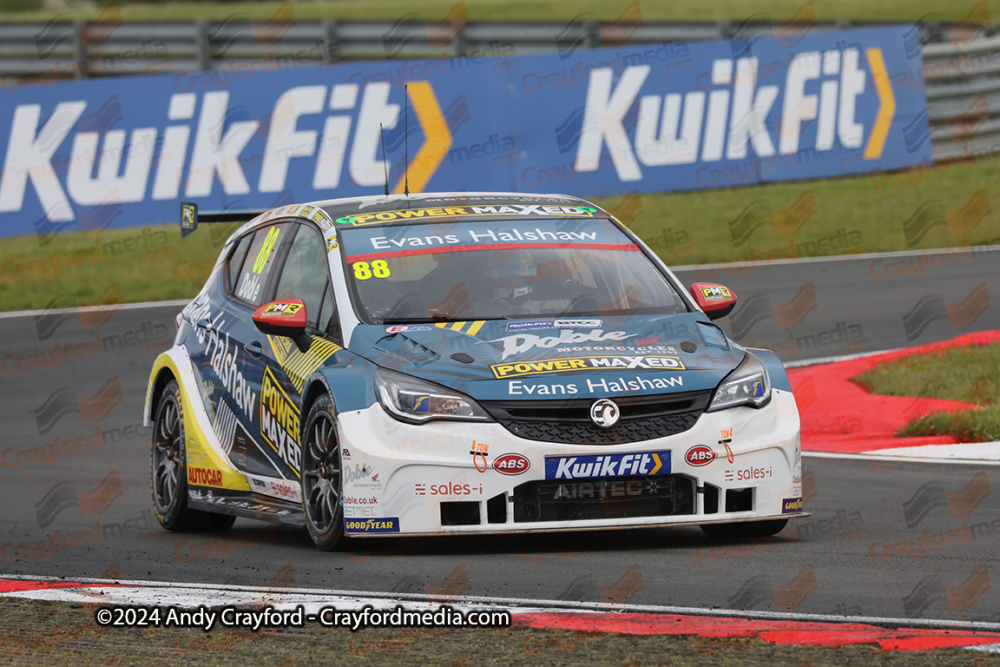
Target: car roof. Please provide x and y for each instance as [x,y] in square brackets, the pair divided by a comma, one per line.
[421,207]
[376,204]
[402,209]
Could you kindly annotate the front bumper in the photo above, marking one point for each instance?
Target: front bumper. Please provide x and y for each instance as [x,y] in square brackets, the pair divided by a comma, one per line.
[444,477]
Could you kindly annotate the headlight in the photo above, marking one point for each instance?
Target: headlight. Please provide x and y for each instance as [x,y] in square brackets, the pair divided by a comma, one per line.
[416,401]
[749,384]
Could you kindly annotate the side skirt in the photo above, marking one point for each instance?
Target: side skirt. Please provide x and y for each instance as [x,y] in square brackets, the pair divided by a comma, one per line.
[248,506]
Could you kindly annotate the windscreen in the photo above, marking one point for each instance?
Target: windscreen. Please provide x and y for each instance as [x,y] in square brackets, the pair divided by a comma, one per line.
[495,269]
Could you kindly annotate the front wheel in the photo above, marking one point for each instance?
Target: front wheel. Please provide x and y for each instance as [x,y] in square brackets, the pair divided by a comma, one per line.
[744,529]
[169,471]
[322,477]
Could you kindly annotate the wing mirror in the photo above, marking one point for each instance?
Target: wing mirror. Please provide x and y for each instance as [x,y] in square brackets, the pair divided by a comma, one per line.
[716,300]
[285,317]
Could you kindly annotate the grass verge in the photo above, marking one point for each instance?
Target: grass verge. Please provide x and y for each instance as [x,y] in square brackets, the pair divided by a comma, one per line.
[507,10]
[969,374]
[869,213]
[43,633]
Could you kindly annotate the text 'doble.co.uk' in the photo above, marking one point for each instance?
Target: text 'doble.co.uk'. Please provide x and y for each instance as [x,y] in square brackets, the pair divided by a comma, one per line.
[207,618]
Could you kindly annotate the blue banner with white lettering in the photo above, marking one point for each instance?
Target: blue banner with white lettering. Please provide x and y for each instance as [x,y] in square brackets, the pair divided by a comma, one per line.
[117,152]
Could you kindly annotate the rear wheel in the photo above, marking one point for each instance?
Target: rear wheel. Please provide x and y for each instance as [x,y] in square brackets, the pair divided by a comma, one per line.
[744,529]
[322,477]
[169,471]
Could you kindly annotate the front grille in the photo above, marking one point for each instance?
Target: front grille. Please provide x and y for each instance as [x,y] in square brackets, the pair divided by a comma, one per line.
[642,418]
[604,498]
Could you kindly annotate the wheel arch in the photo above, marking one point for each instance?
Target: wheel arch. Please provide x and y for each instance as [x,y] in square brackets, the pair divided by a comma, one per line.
[316,386]
[163,378]
[164,370]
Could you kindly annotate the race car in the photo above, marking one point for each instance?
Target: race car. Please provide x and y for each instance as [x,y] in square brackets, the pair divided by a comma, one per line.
[462,363]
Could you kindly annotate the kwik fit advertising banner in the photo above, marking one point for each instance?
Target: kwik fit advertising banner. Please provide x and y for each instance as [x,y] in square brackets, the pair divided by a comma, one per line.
[117,152]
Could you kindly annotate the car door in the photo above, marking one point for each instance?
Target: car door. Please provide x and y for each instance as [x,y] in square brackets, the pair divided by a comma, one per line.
[304,275]
[235,352]
[210,315]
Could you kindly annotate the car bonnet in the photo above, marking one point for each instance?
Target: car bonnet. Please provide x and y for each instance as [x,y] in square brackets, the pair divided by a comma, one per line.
[546,357]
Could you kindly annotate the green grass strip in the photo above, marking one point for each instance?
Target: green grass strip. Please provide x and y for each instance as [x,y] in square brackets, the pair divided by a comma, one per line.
[968,374]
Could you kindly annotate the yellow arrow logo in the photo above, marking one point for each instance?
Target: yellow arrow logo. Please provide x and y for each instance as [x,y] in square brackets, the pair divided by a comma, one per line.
[887,105]
[659,464]
[437,137]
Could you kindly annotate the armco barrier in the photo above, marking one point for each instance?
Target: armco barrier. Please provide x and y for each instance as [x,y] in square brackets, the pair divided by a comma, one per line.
[656,118]
[63,49]
[963,96]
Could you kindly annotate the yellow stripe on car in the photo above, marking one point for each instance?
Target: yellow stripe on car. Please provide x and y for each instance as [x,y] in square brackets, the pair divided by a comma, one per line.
[198,446]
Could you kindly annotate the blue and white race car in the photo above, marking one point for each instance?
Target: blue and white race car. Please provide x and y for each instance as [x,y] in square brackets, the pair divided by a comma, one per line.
[463,363]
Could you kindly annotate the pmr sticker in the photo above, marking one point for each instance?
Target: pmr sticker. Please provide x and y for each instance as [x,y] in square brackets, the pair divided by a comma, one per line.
[280,309]
[716,293]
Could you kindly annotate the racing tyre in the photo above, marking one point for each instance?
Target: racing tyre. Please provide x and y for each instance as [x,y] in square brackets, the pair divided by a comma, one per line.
[322,477]
[744,529]
[169,471]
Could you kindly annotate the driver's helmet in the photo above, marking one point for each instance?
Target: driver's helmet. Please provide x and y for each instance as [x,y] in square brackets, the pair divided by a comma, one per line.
[511,277]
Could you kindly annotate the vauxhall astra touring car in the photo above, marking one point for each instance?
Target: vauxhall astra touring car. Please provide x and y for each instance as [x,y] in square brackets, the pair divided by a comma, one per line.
[463,363]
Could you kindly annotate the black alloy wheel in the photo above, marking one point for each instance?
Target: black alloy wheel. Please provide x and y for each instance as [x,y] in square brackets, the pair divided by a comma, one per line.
[323,477]
[168,479]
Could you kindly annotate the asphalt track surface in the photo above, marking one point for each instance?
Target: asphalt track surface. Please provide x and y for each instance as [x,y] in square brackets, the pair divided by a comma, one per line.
[811,308]
[897,540]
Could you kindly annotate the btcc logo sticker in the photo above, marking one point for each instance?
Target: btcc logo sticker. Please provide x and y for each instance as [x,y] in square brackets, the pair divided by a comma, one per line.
[401,328]
[321,218]
[607,465]
[578,364]
[384,525]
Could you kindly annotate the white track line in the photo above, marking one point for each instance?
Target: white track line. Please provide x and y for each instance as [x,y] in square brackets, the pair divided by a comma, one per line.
[969,451]
[95,309]
[752,264]
[216,595]
[798,363]
[902,459]
[985,648]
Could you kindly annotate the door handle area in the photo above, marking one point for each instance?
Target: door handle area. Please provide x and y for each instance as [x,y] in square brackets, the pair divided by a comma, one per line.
[254,349]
